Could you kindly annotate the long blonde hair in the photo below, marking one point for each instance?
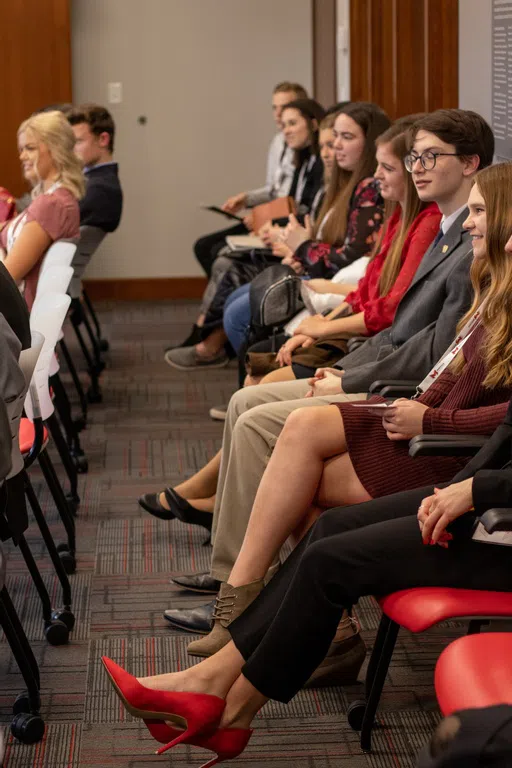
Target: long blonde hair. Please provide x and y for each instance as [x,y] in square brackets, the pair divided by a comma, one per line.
[53,130]
[491,278]
[373,121]
[396,137]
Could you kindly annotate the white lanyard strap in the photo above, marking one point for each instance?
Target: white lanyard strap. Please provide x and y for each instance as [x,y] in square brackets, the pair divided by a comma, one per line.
[451,353]
[304,172]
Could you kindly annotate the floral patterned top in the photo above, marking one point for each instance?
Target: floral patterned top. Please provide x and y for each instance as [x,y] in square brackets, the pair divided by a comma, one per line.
[365,216]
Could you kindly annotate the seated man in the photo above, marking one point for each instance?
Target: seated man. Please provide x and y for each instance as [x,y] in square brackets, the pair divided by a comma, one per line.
[94,131]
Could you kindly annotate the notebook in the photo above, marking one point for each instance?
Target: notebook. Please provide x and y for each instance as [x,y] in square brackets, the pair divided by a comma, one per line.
[244,242]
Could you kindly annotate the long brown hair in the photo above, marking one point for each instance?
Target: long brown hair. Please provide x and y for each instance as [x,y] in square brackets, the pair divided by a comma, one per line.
[492,277]
[396,137]
[373,121]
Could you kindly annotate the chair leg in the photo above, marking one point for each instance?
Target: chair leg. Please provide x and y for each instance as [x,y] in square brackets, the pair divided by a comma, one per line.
[103,343]
[63,407]
[380,670]
[21,649]
[79,423]
[94,342]
[58,496]
[37,579]
[9,611]
[63,559]
[65,456]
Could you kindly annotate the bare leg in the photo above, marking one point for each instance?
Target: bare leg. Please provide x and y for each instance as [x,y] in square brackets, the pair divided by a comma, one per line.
[289,486]
[203,484]
[243,702]
[280,374]
[215,675]
[205,505]
[213,344]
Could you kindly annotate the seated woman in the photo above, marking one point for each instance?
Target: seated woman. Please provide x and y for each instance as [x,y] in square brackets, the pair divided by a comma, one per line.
[374,548]
[46,147]
[360,201]
[327,461]
[409,229]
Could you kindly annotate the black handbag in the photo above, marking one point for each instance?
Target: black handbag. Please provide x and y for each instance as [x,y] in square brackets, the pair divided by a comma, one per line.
[274,298]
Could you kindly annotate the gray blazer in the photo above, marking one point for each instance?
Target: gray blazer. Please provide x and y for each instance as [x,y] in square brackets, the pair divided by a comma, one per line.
[425,321]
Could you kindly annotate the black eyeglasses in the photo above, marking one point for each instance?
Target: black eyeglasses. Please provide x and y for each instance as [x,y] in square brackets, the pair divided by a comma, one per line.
[427,159]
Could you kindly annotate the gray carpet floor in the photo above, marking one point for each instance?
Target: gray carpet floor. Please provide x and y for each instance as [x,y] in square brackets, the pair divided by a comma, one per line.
[153,428]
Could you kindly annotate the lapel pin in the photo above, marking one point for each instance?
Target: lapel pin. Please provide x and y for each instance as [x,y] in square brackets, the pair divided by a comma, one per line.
[445,248]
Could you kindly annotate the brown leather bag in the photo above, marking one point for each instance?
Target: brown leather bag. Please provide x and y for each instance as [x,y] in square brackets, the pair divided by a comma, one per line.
[279,208]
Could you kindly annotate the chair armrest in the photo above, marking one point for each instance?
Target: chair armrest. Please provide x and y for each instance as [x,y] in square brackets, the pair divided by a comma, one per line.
[393,388]
[446,445]
[355,342]
[497,520]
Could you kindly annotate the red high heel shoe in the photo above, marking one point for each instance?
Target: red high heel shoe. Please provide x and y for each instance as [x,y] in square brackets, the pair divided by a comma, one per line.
[198,713]
[227,743]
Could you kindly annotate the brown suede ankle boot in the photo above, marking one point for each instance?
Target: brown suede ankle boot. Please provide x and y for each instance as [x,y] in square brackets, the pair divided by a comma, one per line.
[230,603]
[344,659]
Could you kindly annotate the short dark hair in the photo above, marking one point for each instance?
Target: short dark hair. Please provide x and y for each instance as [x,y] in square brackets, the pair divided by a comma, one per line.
[98,119]
[286,86]
[467,131]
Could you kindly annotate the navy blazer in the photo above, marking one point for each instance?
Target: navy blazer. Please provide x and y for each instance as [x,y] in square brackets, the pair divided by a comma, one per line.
[102,204]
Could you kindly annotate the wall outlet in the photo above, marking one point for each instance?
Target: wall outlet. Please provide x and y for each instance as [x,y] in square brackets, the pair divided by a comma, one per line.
[115,93]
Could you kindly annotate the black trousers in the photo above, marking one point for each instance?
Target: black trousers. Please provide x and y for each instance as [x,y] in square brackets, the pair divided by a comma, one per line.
[206,249]
[368,549]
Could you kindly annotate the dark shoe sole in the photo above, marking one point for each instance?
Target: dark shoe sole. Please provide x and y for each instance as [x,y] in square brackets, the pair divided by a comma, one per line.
[195,590]
[176,625]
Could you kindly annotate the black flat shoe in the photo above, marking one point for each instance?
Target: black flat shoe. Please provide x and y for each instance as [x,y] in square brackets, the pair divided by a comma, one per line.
[196,620]
[185,512]
[151,503]
[202,583]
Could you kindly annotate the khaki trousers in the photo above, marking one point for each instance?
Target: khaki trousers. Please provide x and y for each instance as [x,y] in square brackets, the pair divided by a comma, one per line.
[255,418]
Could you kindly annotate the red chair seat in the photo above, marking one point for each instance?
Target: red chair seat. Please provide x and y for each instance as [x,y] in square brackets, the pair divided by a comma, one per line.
[475,671]
[27,435]
[421,608]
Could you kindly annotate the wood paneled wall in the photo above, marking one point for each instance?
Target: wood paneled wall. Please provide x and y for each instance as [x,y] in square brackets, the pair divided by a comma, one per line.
[404,54]
[35,67]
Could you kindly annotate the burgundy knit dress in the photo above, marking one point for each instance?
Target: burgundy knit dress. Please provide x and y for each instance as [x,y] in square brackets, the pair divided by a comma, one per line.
[456,405]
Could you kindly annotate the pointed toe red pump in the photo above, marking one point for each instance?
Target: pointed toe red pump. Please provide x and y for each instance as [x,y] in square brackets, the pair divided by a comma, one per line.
[197,714]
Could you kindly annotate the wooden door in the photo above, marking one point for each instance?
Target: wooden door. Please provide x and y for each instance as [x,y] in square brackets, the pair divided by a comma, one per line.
[35,67]
[404,54]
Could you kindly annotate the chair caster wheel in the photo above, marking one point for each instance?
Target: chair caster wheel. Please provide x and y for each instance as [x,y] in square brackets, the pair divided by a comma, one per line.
[73,500]
[57,633]
[80,424]
[355,714]
[62,547]
[22,703]
[81,463]
[68,561]
[27,728]
[66,616]
[104,345]
[94,396]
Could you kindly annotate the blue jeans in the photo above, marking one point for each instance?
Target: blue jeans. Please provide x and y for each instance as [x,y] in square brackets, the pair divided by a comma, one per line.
[237,316]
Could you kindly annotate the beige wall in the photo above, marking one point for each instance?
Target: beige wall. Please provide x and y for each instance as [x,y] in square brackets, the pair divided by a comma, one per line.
[202,72]
[475,56]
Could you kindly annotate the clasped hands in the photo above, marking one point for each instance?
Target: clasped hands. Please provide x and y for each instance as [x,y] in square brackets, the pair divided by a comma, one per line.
[436,512]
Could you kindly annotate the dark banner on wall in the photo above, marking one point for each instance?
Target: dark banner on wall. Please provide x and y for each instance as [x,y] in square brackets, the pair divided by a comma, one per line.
[502,76]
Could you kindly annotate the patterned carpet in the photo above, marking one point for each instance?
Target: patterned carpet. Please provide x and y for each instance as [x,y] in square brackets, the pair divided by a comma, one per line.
[153,427]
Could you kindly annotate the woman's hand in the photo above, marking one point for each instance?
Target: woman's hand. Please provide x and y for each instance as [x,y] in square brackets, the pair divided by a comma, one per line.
[326,381]
[282,251]
[438,511]
[314,326]
[270,234]
[233,204]
[295,234]
[319,285]
[290,261]
[284,355]
[404,419]
[249,221]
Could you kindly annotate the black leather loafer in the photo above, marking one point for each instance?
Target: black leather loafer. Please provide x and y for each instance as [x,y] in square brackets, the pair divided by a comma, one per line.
[185,512]
[202,583]
[196,620]
[151,503]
